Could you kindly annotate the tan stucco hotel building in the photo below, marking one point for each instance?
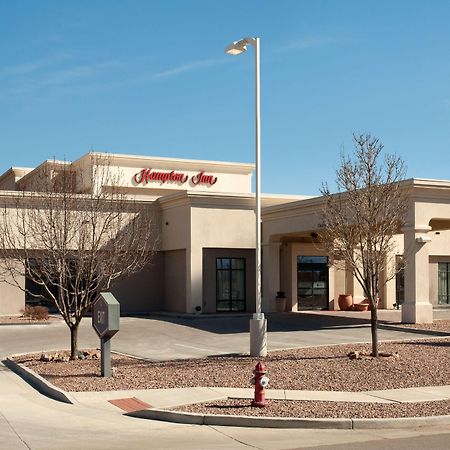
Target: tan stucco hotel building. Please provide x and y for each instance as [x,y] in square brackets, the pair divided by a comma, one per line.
[205,263]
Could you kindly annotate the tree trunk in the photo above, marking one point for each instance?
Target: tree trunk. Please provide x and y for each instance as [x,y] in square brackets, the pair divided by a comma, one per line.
[374,329]
[74,341]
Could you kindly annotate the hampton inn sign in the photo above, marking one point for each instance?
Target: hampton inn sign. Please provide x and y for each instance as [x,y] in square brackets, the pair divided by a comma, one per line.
[145,176]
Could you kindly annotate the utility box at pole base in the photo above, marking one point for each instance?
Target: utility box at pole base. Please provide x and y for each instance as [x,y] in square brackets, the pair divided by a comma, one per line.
[105,321]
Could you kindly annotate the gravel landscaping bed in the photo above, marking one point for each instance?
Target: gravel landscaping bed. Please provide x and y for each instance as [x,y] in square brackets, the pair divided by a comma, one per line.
[420,363]
[316,409]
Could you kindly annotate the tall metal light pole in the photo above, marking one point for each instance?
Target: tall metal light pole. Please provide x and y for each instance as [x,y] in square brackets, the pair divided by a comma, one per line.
[258,324]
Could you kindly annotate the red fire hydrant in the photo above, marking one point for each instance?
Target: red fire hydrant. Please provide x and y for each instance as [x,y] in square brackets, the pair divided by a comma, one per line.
[260,381]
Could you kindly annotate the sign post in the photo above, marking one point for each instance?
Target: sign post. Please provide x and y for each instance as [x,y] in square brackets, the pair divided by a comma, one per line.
[105,321]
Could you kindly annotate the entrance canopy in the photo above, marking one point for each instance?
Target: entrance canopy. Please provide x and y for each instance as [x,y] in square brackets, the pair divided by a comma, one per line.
[290,233]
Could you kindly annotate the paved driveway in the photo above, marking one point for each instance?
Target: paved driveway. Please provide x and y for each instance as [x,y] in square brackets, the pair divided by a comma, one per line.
[166,337]
[29,420]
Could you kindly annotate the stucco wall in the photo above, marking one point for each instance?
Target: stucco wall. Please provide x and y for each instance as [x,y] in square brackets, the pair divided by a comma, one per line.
[216,227]
[175,227]
[209,275]
[440,243]
[175,280]
[143,291]
[8,180]
[12,299]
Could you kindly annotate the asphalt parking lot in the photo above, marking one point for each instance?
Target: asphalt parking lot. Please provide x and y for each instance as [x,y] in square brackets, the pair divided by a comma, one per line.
[162,337]
[29,420]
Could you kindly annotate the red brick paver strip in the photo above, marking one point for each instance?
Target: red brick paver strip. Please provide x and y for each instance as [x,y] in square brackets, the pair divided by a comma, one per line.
[130,404]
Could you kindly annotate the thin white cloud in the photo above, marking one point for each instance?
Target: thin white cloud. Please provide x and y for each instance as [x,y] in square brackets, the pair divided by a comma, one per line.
[28,78]
[307,43]
[59,77]
[82,71]
[195,65]
[30,67]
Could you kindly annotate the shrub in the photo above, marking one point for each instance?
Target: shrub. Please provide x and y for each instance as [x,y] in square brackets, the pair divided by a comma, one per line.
[35,312]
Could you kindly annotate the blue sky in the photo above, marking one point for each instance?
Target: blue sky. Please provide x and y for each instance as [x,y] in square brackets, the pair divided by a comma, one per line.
[151,78]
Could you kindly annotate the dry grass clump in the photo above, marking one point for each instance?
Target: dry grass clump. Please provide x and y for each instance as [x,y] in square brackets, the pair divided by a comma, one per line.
[35,312]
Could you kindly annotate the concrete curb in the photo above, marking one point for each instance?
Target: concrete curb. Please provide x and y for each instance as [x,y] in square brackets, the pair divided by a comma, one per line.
[240,421]
[400,422]
[288,422]
[28,324]
[36,381]
[435,333]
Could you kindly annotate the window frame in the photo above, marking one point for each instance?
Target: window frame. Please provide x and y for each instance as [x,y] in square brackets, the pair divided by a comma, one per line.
[444,299]
[234,304]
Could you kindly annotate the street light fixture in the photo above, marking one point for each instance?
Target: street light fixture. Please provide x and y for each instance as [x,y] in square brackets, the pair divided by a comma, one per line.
[238,47]
[258,324]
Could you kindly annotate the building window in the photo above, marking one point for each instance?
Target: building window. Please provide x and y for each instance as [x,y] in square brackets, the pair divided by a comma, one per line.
[399,281]
[230,284]
[443,283]
[36,294]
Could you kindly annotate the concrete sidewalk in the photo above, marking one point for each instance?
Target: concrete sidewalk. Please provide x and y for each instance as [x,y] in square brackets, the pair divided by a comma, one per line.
[157,405]
[169,398]
[28,420]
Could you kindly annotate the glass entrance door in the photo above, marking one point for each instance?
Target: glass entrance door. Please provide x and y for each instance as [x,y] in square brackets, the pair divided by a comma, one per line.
[312,282]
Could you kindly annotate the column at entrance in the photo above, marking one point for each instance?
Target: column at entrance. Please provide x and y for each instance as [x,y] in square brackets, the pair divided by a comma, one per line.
[194,288]
[417,307]
[271,275]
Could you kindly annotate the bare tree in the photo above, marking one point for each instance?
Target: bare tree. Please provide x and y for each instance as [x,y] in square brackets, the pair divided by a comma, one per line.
[73,245]
[361,219]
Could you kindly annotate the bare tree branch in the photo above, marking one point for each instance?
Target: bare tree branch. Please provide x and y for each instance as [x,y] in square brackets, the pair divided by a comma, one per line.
[362,218]
[74,245]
